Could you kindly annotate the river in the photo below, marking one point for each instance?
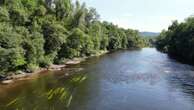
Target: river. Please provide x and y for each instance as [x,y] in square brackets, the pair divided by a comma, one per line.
[124,80]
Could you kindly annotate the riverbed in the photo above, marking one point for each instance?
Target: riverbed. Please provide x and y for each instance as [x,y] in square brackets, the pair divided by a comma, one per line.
[124,80]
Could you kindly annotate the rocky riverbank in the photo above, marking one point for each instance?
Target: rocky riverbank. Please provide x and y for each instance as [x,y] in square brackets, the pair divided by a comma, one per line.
[26,76]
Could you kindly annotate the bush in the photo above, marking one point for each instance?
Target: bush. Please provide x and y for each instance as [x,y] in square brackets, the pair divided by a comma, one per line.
[11,59]
[32,67]
[4,15]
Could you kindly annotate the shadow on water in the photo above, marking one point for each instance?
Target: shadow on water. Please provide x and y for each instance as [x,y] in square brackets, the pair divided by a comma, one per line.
[46,93]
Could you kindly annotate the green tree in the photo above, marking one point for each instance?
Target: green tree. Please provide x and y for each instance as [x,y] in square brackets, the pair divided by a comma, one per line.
[33,34]
[177,41]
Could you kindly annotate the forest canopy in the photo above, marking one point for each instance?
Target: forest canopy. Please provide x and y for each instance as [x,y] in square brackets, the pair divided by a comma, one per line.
[38,33]
[178,40]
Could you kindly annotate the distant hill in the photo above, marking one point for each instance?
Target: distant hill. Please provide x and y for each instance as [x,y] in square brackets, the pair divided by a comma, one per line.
[149,34]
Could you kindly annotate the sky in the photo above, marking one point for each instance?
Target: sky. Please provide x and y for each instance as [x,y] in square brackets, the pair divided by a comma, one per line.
[143,15]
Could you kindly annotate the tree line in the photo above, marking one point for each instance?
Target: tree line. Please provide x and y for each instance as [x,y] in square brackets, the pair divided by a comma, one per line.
[35,34]
[178,40]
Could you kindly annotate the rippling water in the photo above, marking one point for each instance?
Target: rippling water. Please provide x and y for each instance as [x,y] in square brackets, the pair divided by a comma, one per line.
[124,80]
[136,80]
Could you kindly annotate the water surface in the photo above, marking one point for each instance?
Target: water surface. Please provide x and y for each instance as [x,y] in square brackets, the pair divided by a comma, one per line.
[124,80]
[136,80]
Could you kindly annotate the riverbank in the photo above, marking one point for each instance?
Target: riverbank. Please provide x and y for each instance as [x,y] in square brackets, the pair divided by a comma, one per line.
[178,58]
[28,76]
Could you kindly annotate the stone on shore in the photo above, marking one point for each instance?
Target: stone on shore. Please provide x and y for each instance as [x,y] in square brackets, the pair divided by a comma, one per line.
[74,61]
[56,67]
[7,81]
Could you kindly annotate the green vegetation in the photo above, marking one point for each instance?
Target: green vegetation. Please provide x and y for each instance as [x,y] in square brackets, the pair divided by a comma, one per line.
[150,41]
[178,40]
[149,37]
[35,34]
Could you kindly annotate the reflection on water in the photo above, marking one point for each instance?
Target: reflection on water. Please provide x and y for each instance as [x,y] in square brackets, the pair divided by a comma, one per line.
[136,80]
[46,93]
[125,80]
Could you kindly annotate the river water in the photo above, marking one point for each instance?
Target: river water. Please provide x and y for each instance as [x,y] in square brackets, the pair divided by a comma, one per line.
[124,80]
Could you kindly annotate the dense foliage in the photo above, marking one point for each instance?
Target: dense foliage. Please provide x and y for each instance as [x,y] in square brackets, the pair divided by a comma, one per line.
[178,40]
[37,33]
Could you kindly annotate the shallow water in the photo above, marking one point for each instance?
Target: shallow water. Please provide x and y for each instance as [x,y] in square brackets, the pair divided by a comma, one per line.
[124,80]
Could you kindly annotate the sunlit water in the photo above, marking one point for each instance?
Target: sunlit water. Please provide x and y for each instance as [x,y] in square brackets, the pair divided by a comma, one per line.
[124,80]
